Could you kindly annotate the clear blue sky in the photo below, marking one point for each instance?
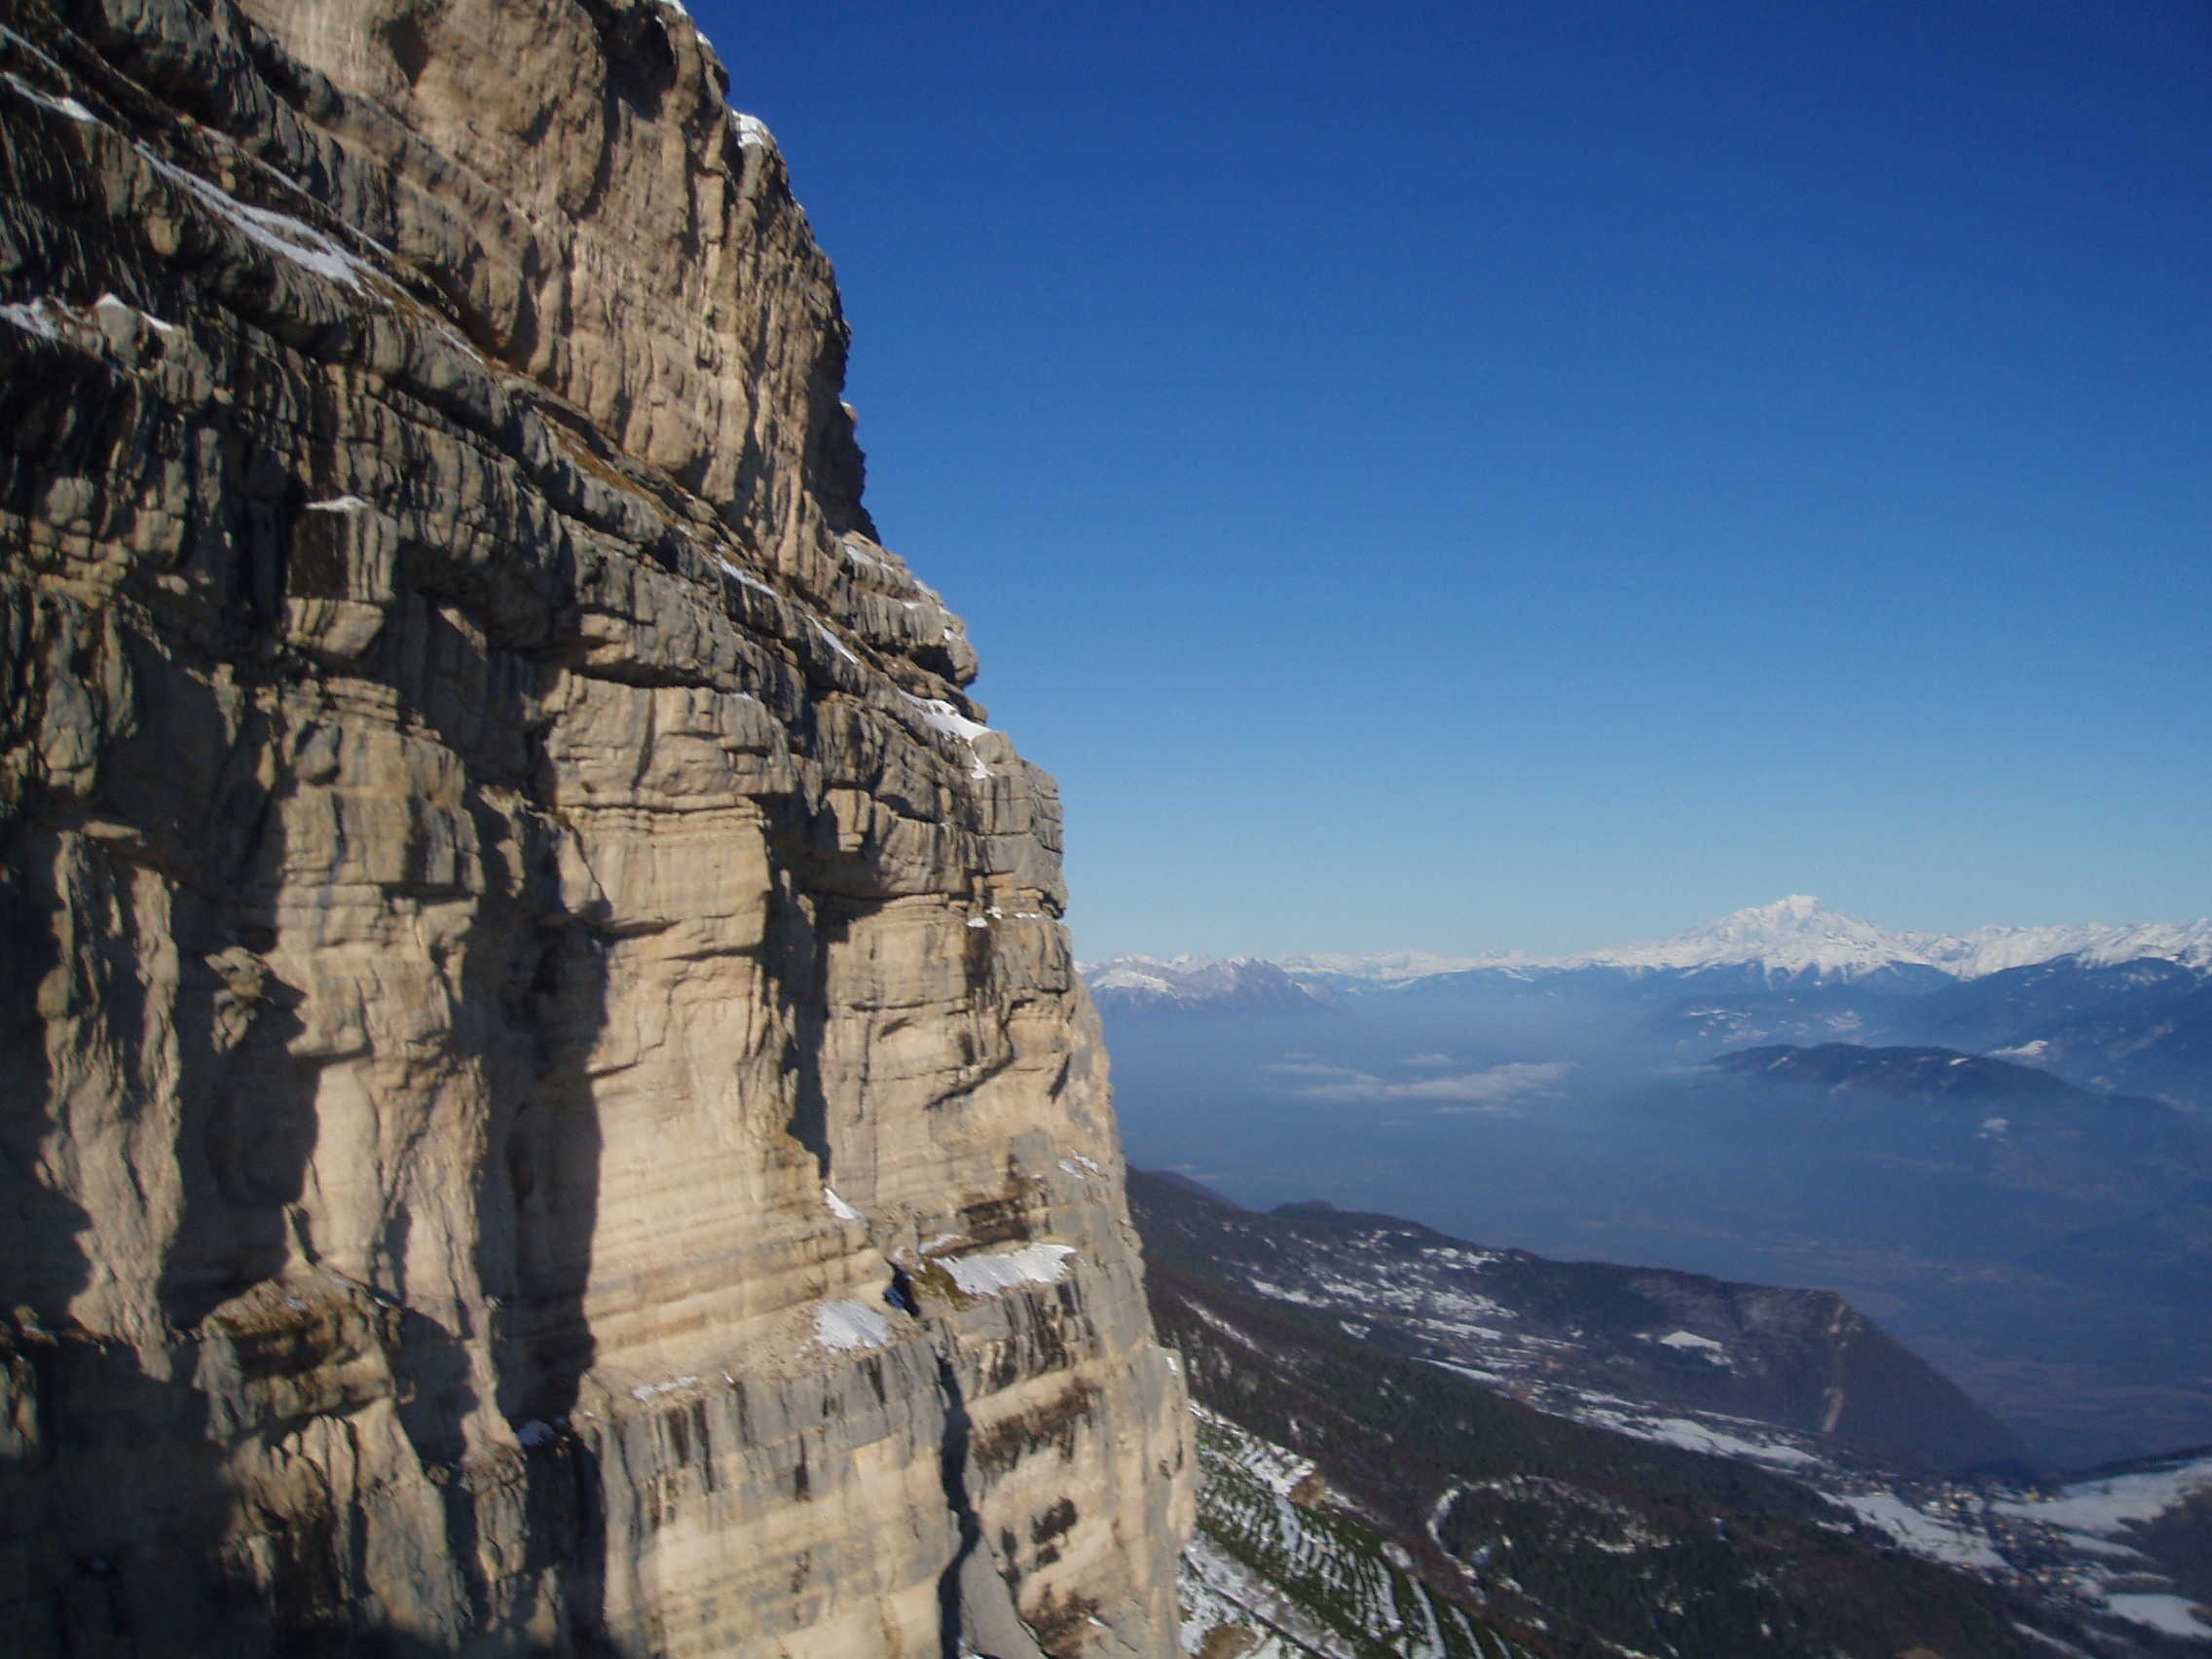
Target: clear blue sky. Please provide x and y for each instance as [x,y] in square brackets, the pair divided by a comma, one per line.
[1537,474]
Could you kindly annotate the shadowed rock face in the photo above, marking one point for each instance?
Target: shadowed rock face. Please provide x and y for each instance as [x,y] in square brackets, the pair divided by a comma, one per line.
[547,1103]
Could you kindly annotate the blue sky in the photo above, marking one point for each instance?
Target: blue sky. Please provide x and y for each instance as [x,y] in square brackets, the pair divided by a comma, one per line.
[1533,475]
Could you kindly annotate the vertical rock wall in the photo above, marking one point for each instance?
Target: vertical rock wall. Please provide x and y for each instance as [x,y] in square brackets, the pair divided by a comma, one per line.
[546,1102]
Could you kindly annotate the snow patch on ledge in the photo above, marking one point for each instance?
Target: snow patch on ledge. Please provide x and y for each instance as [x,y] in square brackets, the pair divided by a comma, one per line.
[24,46]
[1689,1342]
[339,504]
[277,232]
[837,1206]
[32,317]
[752,131]
[939,715]
[998,1271]
[743,580]
[843,1327]
[117,302]
[67,106]
[834,644]
[2173,1614]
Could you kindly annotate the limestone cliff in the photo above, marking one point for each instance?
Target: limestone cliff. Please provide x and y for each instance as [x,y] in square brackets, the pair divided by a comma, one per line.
[547,1104]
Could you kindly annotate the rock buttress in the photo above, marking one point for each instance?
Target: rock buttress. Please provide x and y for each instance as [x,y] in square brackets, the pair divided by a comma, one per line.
[547,1103]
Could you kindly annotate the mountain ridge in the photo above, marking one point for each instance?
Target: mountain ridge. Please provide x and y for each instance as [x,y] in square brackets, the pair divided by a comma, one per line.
[1297,1325]
[1803,1361]
[1792,935]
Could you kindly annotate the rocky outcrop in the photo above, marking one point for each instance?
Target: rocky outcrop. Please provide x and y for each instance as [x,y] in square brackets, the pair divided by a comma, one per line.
[548,1104]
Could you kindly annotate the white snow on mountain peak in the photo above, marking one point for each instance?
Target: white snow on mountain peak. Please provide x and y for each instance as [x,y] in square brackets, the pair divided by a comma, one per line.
[1390,966]
[1991,949]
[1192,980]
[1799,934]
[1792,935]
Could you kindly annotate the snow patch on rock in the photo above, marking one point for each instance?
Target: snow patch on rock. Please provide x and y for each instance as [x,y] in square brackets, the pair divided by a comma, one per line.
[844,1326]
[994,1272]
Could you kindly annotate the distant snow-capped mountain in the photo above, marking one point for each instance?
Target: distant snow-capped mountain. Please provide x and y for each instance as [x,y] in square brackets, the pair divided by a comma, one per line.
[1794,936]
[1148,984]
[1798,934]
[1993,949]
[1386,966]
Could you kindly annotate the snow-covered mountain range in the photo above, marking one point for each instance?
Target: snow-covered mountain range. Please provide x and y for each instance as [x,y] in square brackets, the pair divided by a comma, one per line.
[1150,984]
[1797,935]
[1792,935]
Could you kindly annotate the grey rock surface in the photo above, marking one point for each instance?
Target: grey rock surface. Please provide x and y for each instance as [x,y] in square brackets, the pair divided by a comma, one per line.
[548,1106]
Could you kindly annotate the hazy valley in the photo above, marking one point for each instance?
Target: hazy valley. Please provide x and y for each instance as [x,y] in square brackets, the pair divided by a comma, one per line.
[1908,1136]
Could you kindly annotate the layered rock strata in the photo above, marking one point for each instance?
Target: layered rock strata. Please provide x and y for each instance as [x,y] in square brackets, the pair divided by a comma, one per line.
[547,1103]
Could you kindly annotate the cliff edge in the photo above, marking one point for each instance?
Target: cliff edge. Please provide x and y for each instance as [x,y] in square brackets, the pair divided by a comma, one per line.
[548,1107]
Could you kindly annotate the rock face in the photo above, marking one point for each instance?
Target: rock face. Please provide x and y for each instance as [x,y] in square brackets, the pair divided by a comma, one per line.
[548,1106]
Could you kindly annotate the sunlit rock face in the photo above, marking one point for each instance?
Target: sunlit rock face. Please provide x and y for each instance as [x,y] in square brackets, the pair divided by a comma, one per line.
[547,1103]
